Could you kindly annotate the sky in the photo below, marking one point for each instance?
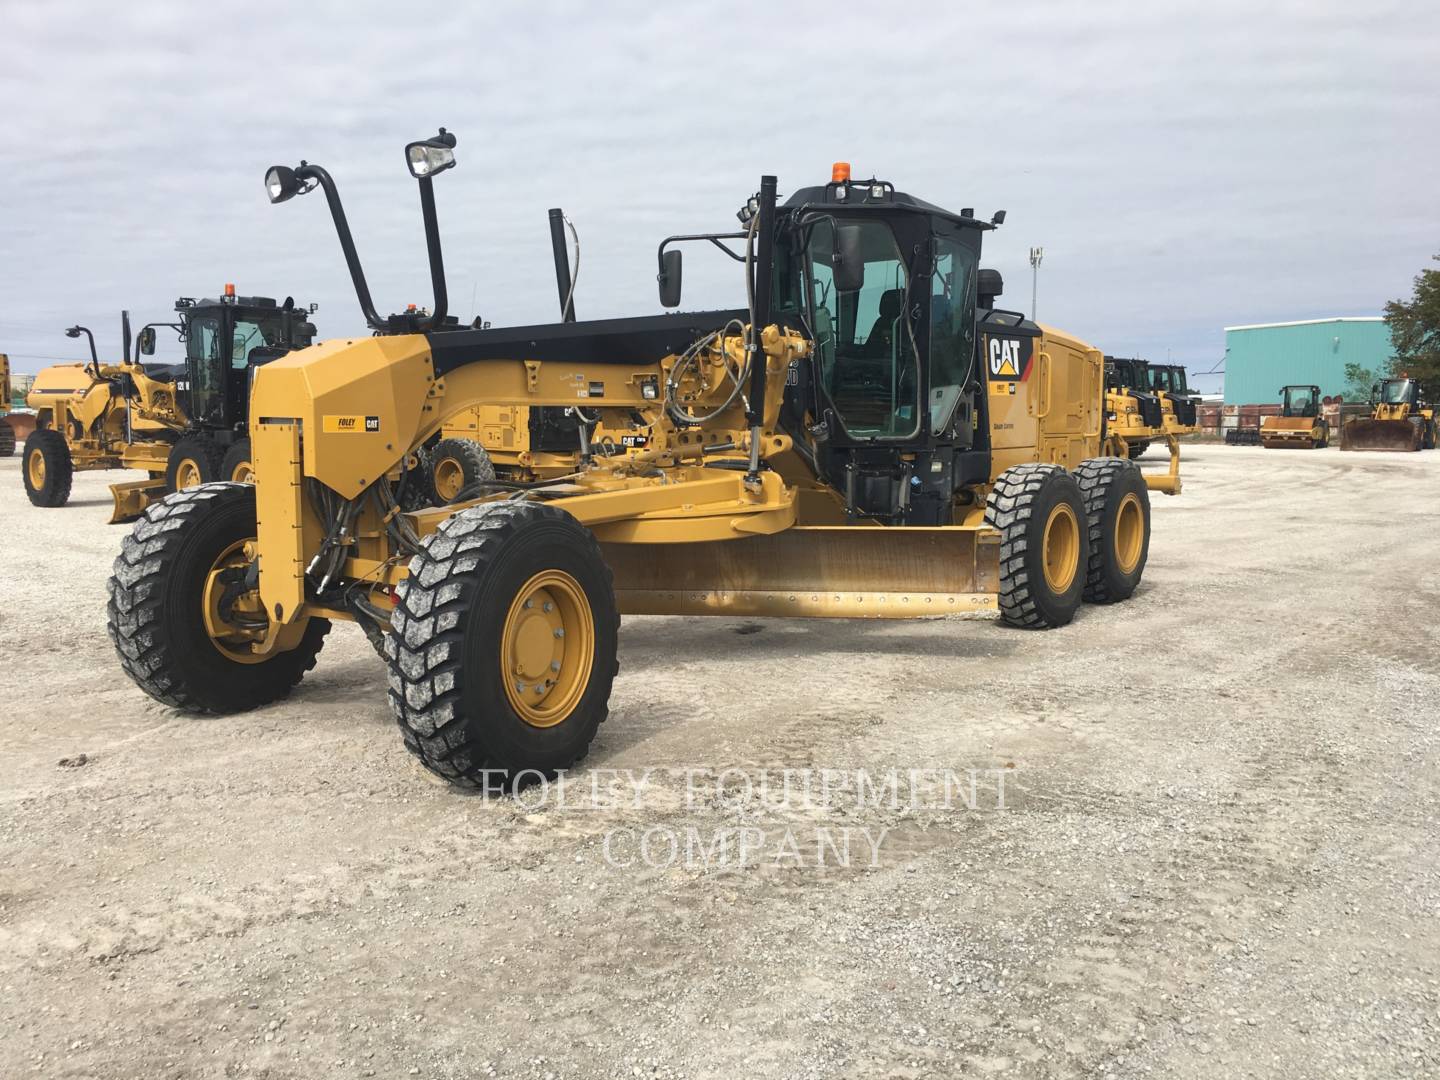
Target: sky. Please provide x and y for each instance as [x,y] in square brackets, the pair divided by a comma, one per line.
[1185,166]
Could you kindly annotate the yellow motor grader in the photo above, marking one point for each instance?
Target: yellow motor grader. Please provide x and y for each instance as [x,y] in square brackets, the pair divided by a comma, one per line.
[1400,419]
[1299,425]
[1135,415]
[868,436]
[182,424]
[1180,407]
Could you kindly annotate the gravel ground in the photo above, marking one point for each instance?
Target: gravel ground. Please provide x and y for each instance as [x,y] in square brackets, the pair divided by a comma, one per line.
[1215,853]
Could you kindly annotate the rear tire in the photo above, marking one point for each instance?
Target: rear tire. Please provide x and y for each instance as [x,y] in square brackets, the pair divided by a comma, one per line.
[47,469]
[157,595]
[1040,513]
[457,465]
[7,438]
[1117,511]
[237,466]
[194,460]
[471,663]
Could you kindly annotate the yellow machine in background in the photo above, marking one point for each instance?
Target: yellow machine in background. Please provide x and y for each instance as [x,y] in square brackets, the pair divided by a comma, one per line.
[13,425]
[1299,425]
[182,424]
[867,437]
[1180,407]
[1400,419]
[100,416]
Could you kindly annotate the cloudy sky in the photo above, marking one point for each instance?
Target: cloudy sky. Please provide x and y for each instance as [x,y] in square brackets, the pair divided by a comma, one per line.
[1184,166]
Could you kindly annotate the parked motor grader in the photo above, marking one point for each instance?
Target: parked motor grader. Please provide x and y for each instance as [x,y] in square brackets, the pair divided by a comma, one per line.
[182,424]
[1401,418]
[1133,411]
[1181,408]
[1299,425]
[868,436]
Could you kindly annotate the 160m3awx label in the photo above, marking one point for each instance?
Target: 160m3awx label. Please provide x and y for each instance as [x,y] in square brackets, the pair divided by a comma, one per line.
[339,425]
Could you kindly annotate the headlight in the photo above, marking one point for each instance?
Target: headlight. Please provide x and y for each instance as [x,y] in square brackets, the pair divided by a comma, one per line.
[430,156]
[281,183]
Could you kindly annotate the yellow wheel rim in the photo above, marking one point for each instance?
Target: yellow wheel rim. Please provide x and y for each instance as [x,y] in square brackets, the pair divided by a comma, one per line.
[243,473]
[247,620]
[547,648]
[35,466]
[449,478]
[187,474]
[1060,549]
[1129,533]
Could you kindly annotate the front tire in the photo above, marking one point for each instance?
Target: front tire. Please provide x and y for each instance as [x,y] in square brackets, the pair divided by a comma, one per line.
[165,578]
[1117,513]
[7,438]
[1040,514]
[503,649]
[48,468]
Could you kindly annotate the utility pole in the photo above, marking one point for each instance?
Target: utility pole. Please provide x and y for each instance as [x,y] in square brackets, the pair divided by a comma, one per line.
[1036,254]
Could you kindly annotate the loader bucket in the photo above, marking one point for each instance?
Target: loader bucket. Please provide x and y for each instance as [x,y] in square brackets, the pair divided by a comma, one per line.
[814,571]
[1397,435]
[21,423]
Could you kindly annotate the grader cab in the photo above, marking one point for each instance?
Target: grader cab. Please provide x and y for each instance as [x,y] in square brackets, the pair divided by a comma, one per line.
[866,436]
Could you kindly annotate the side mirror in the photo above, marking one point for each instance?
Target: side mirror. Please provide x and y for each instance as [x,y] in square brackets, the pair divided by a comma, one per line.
[848,263]
[145,341]
[669,278]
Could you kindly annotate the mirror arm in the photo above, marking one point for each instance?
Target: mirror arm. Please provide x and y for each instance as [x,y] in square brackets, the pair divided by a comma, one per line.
[347,242]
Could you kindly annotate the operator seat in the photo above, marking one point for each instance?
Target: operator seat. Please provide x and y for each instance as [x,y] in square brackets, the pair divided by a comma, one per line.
[892,302]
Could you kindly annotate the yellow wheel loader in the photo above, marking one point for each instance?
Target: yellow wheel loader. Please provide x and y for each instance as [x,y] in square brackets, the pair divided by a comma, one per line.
[867,437]
[1400,419]
[182,424]
[1299,425]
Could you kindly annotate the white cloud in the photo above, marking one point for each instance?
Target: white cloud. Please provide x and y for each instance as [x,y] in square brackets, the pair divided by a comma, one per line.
[1185,166]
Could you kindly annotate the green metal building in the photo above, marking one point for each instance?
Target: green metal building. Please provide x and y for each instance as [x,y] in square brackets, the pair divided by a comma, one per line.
[1262,358]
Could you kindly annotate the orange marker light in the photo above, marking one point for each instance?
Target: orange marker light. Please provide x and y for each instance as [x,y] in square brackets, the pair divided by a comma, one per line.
[409,307]
[840,172]
[229,288]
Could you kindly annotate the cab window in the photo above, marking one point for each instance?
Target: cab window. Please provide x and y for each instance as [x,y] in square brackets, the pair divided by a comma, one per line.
[868,366]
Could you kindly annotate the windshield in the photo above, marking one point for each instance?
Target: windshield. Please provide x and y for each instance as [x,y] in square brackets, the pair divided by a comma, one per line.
[1180,384]
[1299,401]
[1395,391]
[868,367]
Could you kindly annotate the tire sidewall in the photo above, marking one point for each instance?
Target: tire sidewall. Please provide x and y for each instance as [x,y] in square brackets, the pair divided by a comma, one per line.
[1119,585]
[1056,608]
[508,741]
[55,454]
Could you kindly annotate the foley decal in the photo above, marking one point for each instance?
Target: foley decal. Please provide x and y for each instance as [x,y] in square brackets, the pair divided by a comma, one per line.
[340,425]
